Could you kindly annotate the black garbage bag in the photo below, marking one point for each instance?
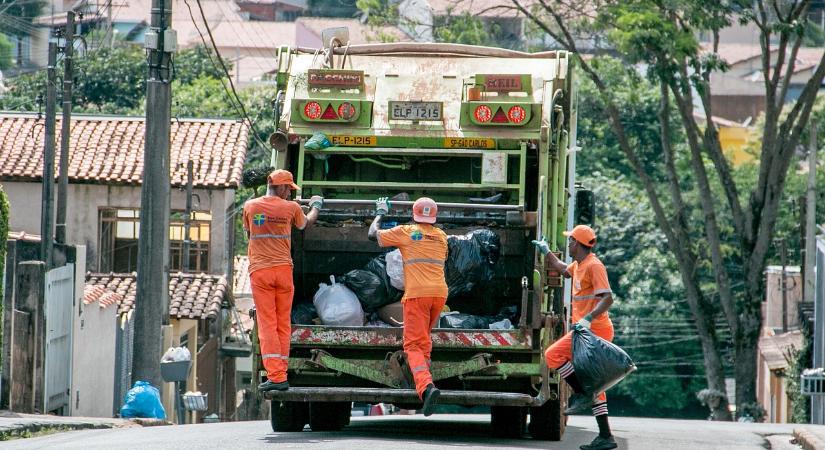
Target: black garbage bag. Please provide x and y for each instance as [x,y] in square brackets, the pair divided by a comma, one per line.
[465,321]
[303,314]
[471,260]
[378,266]
[599,364]
[368,287]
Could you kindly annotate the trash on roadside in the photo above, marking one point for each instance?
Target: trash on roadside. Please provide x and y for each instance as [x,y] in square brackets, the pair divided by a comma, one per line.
[337,305]
[599,364]
[176,354]
[142,401]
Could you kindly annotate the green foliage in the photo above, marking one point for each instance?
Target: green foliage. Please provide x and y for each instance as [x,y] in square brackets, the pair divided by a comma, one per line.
[111,80]
[465,29]
[6,52]
[198,62]
[799,359]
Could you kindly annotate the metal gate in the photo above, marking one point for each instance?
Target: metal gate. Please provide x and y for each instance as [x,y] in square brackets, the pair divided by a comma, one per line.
[58,364]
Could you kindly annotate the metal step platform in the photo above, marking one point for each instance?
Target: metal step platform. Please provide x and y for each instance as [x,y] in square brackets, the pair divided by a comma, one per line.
[402,396]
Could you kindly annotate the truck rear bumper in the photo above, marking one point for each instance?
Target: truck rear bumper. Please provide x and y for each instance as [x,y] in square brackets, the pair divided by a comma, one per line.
[401,396]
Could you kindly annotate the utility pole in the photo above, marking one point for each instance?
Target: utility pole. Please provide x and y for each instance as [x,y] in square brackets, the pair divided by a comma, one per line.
[110,33]
[47,208]
[783,255]
[187,219]
[810,219]
[66,127]
[152,297]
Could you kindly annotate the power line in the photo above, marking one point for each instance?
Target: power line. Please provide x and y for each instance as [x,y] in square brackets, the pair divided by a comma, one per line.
[229,77]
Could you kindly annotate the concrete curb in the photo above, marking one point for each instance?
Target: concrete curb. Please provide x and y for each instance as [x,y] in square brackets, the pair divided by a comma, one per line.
[809,440]
[28,429]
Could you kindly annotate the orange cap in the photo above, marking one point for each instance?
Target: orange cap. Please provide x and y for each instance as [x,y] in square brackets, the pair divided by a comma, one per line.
[583,234]
[425,210]
[282,176]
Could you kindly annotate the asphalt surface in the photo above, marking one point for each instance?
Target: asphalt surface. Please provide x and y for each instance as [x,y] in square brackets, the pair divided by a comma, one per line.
[418,432]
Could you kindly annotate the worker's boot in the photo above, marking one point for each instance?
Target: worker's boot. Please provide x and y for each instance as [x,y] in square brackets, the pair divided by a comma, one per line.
[270,385]
[601,443]
[430,398]
[579,402]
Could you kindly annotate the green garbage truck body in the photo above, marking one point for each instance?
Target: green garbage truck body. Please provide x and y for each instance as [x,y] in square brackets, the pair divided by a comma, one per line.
[488,134]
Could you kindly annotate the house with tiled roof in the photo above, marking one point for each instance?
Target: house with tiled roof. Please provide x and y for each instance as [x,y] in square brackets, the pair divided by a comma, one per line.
[105,174]
[196,305]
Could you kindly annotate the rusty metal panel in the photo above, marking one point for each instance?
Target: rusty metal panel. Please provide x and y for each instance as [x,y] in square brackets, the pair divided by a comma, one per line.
[303,336]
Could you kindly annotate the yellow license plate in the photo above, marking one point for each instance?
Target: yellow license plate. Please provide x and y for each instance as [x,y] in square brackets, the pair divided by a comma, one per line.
[469,143]
[353,141]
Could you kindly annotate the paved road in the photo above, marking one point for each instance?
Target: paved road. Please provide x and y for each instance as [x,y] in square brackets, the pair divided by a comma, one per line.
[417,432]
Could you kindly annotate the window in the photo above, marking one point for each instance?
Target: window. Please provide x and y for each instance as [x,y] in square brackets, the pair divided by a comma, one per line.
[119,231]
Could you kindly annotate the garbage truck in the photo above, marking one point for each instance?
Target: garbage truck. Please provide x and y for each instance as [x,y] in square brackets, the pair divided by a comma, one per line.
[487,133]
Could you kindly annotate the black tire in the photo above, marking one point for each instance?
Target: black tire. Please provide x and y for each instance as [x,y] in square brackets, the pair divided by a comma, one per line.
[288,416]
[547,423]
[329,416]
[508,422]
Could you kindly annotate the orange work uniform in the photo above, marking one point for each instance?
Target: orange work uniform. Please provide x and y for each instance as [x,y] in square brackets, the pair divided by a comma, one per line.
[268,221]
[589,280]
[424,252]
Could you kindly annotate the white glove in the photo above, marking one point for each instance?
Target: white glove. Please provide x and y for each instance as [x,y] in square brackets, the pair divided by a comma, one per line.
[382,206]
[316,201]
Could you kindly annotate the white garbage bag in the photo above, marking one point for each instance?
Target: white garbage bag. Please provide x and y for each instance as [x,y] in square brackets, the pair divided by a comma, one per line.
[395,269]
[337,305]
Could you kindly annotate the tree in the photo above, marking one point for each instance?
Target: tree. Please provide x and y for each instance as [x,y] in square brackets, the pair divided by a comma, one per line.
[662,35]
[16,19]
[332,8]
[5,53]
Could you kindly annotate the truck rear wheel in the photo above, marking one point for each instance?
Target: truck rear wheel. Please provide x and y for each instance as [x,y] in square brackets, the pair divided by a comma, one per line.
[508,421]
[329,416]
[288,416]
[547,422]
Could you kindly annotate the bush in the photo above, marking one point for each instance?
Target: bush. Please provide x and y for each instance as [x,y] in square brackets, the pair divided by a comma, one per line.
[4,233]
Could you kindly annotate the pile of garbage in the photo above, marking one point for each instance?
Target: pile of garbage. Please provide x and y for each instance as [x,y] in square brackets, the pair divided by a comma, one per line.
[360,295]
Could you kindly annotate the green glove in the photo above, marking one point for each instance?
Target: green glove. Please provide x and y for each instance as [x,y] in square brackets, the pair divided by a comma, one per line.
[584,322]
[382,206]
[542,245]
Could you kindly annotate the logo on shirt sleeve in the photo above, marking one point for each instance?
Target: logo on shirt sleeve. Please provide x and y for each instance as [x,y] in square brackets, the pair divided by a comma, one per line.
[259,219]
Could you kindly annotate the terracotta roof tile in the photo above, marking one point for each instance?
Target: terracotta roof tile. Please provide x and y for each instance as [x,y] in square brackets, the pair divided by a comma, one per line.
[242,286]
[191,296]
[109,150]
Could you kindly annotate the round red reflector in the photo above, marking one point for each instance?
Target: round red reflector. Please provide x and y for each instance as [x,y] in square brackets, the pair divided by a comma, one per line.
[516,114]
[346,111]
[483,113]
[313,110]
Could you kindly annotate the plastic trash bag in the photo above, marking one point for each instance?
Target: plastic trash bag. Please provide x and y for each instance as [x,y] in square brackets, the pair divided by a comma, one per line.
[599,364]
[176,354]
[143,400]
[368,287]
[471,260]
[456,319]
[378,266]
[303,314]
[395,269]
[503,324]
[337,305]
[318,141]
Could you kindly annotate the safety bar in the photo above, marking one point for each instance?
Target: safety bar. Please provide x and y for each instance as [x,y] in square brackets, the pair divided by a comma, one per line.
[480,207]
[402,396]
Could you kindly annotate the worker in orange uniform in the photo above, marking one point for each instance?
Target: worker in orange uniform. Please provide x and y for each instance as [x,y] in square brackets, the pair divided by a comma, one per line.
[424,252]
[591,300]
[268,223]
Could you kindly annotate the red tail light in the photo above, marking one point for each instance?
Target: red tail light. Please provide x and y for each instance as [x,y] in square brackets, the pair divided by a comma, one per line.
[483,113]
[346,111]
[517,114]
[329,113]
[312,110]
[500,117]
